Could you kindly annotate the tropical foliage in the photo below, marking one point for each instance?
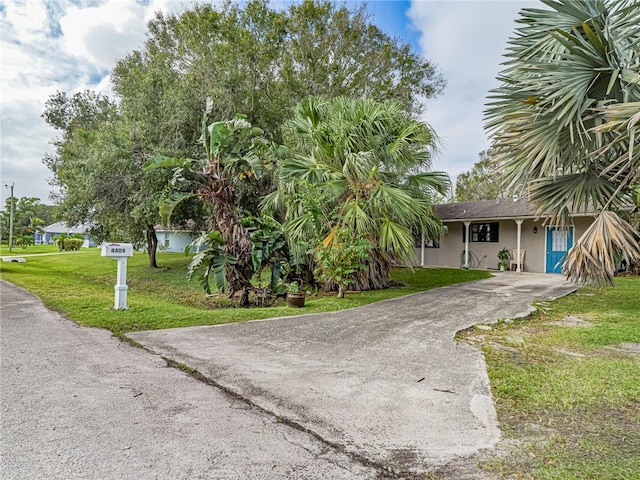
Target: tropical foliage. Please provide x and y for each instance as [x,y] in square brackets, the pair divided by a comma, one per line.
[339,258]
[565,122]
[233,154]
[360,166]
[245,57]
[29,217]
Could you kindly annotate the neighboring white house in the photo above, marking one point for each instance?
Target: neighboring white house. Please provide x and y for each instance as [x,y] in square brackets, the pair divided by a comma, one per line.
[49,233]
[477,231]
[174,239]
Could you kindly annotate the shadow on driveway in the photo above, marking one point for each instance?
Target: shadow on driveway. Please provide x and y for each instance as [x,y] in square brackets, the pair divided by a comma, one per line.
[386,382]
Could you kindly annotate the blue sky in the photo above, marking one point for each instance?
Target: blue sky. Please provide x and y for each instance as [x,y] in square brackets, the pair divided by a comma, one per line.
[392,17]
[71,45]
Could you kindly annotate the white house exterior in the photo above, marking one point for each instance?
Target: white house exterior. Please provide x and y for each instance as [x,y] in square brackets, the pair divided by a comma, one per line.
[477,231]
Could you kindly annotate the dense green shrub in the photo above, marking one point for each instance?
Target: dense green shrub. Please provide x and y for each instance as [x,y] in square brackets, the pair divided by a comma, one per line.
[70,242]
[24,241]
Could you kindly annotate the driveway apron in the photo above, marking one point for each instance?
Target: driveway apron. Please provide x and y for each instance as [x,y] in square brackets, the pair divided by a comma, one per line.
[386,381]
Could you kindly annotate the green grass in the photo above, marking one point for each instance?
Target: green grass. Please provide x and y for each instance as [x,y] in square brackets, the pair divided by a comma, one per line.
[30,250]
[568,395]
[80,286]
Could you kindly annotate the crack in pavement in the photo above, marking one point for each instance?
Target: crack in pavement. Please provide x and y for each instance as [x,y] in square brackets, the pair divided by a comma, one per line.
[338,448]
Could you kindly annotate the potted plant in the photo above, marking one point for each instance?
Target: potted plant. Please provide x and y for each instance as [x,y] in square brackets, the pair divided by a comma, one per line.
[503,255]
[295,297]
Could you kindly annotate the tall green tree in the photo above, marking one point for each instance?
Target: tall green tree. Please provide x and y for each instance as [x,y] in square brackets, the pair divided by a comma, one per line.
[360,166]
[564,122]
[259,61]
[97,165]
[332,50]
[482,182]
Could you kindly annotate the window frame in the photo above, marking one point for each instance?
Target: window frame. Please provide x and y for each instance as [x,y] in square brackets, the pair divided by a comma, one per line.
[482,232]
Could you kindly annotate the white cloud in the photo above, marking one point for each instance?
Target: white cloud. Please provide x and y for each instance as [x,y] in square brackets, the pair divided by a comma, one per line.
[467,40]
[104,33]
[49,46]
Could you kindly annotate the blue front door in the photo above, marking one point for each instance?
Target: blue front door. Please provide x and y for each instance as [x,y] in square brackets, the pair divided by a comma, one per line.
[559,241]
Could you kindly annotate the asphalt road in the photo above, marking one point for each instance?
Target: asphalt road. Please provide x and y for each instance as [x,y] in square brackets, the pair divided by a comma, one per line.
[76,403]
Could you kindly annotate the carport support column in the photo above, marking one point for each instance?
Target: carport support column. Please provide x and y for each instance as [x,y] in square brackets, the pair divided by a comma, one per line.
[466,244]
[519,222]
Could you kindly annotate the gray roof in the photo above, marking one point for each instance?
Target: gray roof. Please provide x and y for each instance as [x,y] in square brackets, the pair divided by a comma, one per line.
[61,227]
[500,208]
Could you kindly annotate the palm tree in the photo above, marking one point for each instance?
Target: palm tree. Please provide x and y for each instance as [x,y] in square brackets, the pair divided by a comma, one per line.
[565,120]
[360,166]
[35,225]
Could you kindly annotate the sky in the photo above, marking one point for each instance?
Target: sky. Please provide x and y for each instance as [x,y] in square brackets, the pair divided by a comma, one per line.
[72,45]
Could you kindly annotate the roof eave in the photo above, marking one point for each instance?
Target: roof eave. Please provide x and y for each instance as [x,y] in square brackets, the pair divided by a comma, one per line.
[515,217]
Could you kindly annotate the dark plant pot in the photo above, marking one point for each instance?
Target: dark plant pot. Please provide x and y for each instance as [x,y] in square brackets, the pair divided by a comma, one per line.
[295,300]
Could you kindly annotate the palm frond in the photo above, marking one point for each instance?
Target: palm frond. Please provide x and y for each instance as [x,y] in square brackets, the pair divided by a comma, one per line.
[593,257]
[357,220]
[623,119]
[396,239]
[563,122]
[166,162]
[438,182]
[168,204]
[565,195]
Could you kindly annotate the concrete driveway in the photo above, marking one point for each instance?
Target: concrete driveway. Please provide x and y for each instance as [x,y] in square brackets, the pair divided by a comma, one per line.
[385,383]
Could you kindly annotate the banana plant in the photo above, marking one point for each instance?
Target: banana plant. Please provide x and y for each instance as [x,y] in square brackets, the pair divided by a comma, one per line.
[233,153]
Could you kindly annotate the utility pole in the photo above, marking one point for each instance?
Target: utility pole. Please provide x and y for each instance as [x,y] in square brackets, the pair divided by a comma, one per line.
[11,218]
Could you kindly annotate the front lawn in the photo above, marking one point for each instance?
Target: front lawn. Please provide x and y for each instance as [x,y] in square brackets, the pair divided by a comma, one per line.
[81,287]
[30,250]
[566,384]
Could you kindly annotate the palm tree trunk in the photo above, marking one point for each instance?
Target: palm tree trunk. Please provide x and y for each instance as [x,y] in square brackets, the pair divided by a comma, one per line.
[375,276]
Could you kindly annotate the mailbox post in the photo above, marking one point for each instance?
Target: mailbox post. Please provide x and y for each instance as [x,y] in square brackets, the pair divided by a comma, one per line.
[119,252]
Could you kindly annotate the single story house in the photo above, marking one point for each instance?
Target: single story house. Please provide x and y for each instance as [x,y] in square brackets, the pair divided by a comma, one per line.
[49,234]
[476,231]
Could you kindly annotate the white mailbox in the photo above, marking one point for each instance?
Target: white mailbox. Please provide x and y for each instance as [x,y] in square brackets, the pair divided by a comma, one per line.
[119,252]
[116,250]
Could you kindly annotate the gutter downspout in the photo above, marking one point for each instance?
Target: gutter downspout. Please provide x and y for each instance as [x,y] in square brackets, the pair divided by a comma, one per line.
[422,250]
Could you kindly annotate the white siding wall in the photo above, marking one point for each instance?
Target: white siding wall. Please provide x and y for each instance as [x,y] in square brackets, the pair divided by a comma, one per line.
[172,241]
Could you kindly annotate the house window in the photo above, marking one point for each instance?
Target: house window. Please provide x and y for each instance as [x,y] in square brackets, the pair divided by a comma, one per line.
[166,241]
[482,232]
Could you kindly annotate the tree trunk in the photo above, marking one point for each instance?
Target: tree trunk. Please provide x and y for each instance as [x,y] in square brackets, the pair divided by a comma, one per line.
[238,241]
[375,275]
[152,245]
